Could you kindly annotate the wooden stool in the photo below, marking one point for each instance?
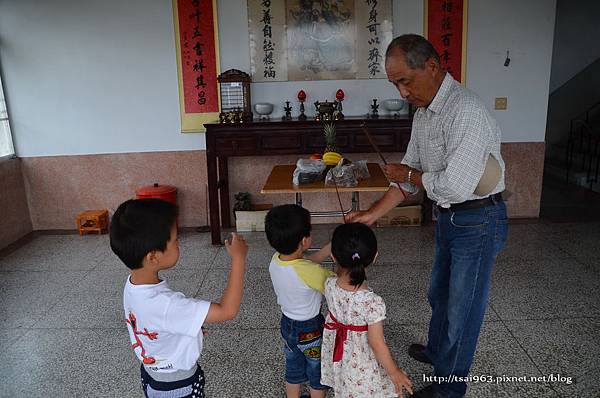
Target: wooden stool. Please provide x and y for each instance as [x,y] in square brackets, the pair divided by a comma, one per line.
[92,221]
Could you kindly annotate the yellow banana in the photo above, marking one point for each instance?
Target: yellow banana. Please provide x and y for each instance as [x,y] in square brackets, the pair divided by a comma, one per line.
[331,158]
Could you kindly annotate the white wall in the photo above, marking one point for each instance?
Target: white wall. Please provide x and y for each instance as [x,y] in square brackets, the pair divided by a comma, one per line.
[91,77]
[576,39]
[525,28]
[100,77]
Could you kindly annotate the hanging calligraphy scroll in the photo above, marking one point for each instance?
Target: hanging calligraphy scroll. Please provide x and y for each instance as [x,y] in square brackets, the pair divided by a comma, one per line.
[316,40]
[266,24]
[446,29]
[374,33]
[197,62]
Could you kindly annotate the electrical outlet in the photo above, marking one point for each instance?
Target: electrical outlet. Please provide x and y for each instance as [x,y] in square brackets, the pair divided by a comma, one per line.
[500,103]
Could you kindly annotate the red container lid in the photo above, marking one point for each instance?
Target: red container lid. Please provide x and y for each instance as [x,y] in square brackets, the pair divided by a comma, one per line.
[155,189]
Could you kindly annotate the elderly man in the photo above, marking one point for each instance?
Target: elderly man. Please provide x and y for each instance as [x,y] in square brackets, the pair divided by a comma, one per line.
[453,136]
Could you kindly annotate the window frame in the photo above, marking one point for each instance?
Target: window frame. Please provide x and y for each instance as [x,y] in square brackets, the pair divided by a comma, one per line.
[13,154]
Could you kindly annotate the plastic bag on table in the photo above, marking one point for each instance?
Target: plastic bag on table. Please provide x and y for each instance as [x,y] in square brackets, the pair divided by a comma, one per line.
[361,171]
[341,175]
[308,171]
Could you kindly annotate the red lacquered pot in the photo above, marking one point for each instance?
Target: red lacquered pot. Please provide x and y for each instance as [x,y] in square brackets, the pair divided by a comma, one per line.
[164,192]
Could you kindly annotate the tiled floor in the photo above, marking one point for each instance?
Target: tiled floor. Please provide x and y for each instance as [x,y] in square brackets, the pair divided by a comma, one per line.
[62,331]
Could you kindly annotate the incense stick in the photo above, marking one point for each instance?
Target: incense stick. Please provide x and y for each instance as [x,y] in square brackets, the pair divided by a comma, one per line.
[338,195]
[374,145]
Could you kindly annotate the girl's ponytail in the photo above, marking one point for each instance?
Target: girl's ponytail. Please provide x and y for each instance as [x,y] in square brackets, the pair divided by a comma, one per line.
[357,271]
[354,247]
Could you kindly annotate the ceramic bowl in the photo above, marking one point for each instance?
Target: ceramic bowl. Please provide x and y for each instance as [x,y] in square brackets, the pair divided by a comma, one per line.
[263,108]
[393,105]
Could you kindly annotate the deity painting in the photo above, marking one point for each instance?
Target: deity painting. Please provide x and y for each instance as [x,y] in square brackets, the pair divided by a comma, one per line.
[321,39]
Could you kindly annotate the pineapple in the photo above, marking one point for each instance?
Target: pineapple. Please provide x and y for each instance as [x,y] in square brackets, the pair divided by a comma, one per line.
[329,130]
[331,157]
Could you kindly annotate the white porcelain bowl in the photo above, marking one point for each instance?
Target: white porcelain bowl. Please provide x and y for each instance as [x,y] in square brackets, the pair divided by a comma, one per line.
[263,108]
[393,105]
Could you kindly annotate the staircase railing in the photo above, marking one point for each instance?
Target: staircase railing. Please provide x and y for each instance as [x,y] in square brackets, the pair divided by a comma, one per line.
[586,143]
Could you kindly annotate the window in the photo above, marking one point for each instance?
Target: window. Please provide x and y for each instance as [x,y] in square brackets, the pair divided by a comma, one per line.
[6,144]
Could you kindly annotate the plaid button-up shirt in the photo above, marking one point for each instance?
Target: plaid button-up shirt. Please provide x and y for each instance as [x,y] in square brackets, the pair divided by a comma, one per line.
[451,141]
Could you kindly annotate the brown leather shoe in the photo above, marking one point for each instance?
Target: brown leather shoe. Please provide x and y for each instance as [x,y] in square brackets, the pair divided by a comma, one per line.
[417,351]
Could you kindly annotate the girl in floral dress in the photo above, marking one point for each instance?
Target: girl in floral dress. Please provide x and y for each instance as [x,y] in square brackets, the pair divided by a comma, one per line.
[355,360]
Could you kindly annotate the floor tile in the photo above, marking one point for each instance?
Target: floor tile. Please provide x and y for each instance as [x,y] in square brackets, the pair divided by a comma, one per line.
[27,296]
[405,244]
[546,288]
[581,243]
[566,348]
[543,316]
[590,265]
[57,253]
[497,354]
[243,379]
[9,336]
[70,363]
[196,251]
[254,366]
[259,307]
[499,359]
[525,242]
[404,290]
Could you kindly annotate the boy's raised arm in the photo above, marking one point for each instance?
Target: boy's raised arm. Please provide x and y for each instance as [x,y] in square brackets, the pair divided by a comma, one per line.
[321,255]
[229,306]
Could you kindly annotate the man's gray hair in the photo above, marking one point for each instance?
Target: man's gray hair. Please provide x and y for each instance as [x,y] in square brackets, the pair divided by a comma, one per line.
[416,49]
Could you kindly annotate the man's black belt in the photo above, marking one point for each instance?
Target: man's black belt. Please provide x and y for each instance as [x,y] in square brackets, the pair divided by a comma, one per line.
[473,204]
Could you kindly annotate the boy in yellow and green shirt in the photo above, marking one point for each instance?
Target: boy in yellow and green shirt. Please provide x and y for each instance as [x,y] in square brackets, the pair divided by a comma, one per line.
[299,284]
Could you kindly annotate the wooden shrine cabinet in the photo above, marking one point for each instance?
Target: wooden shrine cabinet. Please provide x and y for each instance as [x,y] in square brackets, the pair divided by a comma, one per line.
[278,137]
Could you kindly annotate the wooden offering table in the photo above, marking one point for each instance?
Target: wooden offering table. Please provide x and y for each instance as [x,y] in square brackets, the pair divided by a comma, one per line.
[280,181]
[277,137]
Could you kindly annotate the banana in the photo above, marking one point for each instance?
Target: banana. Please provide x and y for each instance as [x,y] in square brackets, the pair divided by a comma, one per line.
[332,155]
[331,158]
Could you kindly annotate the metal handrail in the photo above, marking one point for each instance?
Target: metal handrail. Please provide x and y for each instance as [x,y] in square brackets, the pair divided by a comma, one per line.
[590,152]
[587,112]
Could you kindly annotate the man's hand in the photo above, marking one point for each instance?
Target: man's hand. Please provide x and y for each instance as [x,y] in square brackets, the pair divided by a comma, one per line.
[365,217]
[398,173]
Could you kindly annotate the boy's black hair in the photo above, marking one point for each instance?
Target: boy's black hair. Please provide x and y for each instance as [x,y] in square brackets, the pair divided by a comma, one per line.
[140,226]
[285,227]
[354,246]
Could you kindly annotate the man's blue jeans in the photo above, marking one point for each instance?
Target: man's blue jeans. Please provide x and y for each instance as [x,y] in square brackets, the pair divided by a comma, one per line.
[466,245]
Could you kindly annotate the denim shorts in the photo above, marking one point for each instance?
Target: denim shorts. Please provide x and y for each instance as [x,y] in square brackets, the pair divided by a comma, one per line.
[302,347]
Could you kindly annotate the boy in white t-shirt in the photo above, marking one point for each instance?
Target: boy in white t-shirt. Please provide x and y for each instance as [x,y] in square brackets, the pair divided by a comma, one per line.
[165,327]
[299,284]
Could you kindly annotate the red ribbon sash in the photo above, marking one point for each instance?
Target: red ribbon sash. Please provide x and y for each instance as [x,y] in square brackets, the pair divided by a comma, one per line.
[341,334]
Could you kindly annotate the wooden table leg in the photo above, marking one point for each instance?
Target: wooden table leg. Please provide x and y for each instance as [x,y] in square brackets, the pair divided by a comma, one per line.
[224,192]
[213,197]
[355,201]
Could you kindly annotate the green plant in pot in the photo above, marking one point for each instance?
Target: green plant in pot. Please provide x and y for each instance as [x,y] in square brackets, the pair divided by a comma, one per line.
[242,201]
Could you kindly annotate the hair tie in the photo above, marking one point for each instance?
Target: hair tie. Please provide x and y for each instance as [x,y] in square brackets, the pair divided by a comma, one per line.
[355,256]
